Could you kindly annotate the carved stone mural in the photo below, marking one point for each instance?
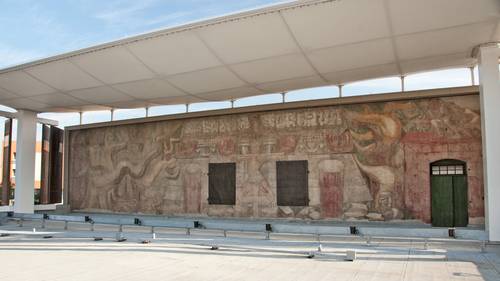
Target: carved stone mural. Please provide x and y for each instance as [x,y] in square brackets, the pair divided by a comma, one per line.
[366,161]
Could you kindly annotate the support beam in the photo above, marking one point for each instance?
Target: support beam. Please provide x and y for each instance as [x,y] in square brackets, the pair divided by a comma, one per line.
[340,90]
[402,83]
[48,122]
[25,162]
[147,111]
[40,120]
[81,117]
[489,81]
[112,114]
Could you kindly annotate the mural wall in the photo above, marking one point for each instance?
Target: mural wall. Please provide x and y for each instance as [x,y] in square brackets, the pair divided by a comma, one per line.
[366,161]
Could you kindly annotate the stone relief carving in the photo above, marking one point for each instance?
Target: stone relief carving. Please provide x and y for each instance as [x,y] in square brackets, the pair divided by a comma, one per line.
[358,156]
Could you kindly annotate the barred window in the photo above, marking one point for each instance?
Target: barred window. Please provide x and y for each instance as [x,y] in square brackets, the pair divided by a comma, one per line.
[292,183]
[222,183]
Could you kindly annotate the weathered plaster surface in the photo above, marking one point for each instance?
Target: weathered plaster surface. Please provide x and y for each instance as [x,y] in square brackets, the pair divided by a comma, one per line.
[366,161]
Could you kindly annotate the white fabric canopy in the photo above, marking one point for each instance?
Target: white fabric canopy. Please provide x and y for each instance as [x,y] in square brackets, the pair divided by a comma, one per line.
[274,49]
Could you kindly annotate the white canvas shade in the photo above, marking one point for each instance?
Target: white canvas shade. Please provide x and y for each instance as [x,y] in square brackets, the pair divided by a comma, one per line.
[279,48]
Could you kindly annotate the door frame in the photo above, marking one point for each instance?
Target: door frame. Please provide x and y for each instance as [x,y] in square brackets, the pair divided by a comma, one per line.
[448,162]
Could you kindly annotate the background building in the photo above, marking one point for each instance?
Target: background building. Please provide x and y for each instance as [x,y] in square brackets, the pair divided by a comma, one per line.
[38,168]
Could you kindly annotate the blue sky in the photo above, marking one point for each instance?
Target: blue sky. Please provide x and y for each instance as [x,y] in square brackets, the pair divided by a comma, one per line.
[32,29]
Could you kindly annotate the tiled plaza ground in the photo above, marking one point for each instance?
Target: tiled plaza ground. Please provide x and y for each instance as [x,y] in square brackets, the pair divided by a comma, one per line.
[74,255]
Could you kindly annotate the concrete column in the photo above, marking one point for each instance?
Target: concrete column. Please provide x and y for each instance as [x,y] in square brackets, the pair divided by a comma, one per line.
[489,85]
[25,162]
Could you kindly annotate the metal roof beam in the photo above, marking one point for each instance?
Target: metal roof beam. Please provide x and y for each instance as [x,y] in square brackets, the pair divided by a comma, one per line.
[14,115]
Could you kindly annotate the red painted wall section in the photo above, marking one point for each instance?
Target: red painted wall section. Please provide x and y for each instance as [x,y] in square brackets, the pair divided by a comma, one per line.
[331,184]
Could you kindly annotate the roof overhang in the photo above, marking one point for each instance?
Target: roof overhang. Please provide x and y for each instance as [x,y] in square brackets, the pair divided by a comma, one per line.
[279,48]
[45,121]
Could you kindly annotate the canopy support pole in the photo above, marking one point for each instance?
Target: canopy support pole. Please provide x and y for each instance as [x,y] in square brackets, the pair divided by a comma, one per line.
[472,78]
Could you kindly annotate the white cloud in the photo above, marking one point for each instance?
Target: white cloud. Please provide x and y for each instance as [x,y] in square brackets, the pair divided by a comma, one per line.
[126,17]
[119,12]
[11,56]
[167,18]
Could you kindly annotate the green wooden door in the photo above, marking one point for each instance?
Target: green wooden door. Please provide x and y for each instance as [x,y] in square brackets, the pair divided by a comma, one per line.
[442,200]
[449,200]
[460,198]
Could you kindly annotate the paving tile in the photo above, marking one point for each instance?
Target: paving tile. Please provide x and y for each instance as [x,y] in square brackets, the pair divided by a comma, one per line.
[74,255]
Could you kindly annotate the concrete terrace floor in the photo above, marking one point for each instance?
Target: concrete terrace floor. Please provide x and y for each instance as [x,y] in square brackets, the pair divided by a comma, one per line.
[74,255]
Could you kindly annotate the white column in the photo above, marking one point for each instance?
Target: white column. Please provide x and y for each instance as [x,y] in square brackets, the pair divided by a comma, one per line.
[489,81]
[25,162]
[472,80]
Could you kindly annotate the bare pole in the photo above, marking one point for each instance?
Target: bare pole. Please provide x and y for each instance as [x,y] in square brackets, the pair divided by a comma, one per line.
[187,107]
[112,114]
[472,78]
[147,111]
[81,117]
[283,97]
[340,89]
[402,83]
